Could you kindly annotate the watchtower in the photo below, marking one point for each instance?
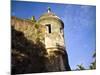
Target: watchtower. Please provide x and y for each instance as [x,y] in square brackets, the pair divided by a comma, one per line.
[54,42]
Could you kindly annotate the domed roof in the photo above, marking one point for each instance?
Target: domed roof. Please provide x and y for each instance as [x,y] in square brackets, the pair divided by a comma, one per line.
[49,14]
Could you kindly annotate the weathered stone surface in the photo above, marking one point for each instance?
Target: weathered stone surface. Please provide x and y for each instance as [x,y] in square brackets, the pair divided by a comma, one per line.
[54,42]
[38,46]
[28,49]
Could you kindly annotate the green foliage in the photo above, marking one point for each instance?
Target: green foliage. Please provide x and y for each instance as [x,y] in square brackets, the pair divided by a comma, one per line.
[33,19]
[94,55]
[91,66]
[80,67]
[36,26]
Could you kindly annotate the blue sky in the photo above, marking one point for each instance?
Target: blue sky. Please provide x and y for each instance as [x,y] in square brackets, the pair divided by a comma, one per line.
[79,27]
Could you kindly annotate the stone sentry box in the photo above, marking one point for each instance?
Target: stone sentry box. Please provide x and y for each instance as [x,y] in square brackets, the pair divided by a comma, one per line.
[54,42]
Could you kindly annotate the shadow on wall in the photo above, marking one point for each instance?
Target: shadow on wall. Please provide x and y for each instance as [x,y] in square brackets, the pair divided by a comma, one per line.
[27,56]
[64,57]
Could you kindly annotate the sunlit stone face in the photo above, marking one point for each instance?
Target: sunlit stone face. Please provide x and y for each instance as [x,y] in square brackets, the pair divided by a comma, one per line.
[54,41]
[53,32]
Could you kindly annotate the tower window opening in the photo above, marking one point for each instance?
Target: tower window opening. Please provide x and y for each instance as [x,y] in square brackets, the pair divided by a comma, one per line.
[61,29]
[48,28]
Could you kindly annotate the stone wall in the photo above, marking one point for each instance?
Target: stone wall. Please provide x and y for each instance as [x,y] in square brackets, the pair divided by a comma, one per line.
[30,45]
[27,47]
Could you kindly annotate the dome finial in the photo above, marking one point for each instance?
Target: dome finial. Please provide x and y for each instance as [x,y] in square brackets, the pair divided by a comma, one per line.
[49,9]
